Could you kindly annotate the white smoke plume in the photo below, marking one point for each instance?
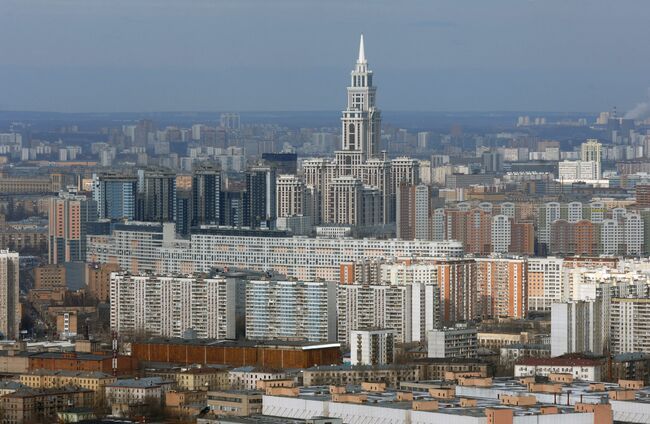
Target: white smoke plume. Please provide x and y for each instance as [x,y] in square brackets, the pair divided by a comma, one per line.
[640,111]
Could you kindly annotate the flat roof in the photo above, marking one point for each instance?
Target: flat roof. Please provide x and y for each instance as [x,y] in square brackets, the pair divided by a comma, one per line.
[278,344]
[388,399]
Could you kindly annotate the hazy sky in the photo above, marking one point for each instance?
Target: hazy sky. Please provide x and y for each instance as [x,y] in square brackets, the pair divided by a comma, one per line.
[439,55]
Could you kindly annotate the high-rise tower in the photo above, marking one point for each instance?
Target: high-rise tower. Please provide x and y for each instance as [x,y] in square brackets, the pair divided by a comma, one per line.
[69,215]
[206,195]
[359,160]
[361,121]
[9,295]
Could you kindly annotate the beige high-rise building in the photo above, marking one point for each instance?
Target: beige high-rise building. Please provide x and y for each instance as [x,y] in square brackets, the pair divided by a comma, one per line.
[9,304]
[360,157]
[290,196]
[590,151]
[344,206]
[404,171]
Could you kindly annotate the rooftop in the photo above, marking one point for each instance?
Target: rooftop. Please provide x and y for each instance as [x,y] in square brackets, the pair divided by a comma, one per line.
[76,355]
[253,419]
[279,344]
[389,399]
[30,392]
[141,383]
[65,373]
[361,367]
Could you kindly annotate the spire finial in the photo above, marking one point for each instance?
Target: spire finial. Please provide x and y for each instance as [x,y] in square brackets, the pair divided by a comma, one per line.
[362,53]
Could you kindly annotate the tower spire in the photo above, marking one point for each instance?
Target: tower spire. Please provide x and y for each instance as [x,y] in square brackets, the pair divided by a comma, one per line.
[362,53]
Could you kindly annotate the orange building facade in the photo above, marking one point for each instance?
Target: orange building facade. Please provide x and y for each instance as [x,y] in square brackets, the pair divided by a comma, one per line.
[236,354]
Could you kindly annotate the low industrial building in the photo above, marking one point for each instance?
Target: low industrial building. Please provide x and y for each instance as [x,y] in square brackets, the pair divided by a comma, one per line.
[272,354]
[373,403]
[77,361]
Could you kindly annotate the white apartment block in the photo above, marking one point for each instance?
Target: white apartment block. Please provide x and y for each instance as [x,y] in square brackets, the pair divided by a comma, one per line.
[585,283]
[372,347]
[422,197]
[168,306]
[577,170]
[623,234]
[362,307]
[501,234]
[138,247]
[582,372]
[456,342]
[438,224]
[577,327]
[425,293]
[291,310]
[574,212]
[246,378]
[544,283]
[630,325]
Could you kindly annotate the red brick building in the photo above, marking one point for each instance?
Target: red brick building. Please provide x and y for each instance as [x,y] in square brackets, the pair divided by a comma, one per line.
[76,361]
[237,353]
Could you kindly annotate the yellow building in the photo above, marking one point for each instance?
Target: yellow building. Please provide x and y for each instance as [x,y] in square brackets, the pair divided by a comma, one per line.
[47,379]
[192,379]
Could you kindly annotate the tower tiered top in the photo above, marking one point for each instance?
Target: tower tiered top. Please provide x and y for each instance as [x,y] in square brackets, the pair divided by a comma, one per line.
[361,121]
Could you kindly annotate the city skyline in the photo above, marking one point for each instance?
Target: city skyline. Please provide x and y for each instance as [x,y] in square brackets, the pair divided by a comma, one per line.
[161,56]
[480,253]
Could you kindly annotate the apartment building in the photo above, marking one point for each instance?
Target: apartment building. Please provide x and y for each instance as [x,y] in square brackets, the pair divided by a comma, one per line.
[30,406]
[235,402]
[544,283]
[379,306]
[134,391]
[578,326]
[372,347]
[69,215]
[455,342]
[290,196]
[48,379]
[246,378]
[341,375]
[291,310]
[630,325]
[502,286]
[9,294]
[169,306]
[151,247]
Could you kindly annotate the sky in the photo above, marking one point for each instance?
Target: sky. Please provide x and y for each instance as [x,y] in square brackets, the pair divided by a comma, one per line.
[288,55]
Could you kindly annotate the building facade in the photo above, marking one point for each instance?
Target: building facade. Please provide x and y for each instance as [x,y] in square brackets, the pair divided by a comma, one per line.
[372,347]
[69,215]
[9,294]
[291,310]
[170,306]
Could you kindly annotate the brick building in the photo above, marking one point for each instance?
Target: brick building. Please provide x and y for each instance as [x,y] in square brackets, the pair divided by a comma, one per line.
[237,354]
[75,361]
